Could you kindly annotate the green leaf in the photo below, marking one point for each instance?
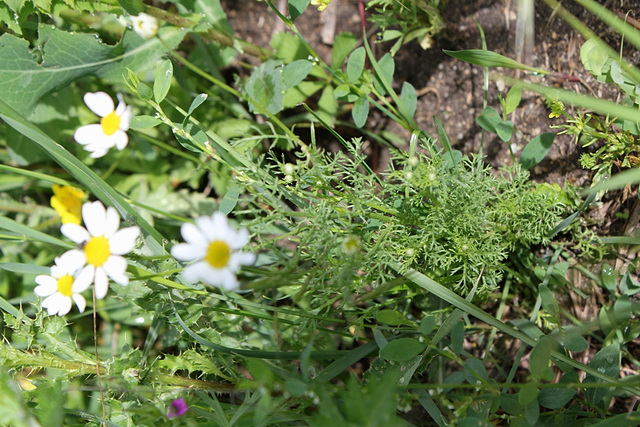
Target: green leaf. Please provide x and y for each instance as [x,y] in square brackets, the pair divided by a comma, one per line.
[387,67]
[230,200]
[342,45]
[427,325]
[132,7]
[549,301]
[573,341]
[297,7]
[475,371]
[402,349]
[513,98]
[528,393]
[355,65]
[556,398]
[197,101]
[457,337]
[327,106]
[360,111]
[486,58]
[70,56]
[409,98]
[536,150]
[491,121]
[391,317]
[607,362]
[593,57]
[163,75]
[214,14]
[540,357]
[302,91]
[144,122]
[265,87]
[296,72]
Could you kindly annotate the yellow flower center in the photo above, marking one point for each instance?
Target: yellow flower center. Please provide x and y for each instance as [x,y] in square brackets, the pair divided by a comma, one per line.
[97,251]
[218,254]
[110,123]
[64,285]
[67,201]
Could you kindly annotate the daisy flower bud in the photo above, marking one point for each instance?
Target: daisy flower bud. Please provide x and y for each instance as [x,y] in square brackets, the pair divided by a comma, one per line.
[146,26]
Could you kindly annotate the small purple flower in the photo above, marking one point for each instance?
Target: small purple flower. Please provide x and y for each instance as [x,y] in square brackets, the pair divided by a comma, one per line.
[176,408]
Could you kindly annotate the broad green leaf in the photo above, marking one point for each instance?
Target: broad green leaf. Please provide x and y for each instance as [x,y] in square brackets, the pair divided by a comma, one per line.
[70,56]
[355,64]
[549,301]
[513,99]
[457,337]
[265,87]
[342,45]
[540,357]
[302,91]
[608,277]
[144,122]
[491,121]
[536,150]
[327,106]
[360,111]
[197,101]
[593,57]
[532,412]
[409,98]
[387,67]
[24,268]
[486,58]
[475,371]
[427,325]
[402,349]
[297,7]
[296,72]
[132,7]
[391,317]
[21,230]
[214,14]
[528,393]
[162,83]
[607,362]
[556,398]
[229,201]
[573,341]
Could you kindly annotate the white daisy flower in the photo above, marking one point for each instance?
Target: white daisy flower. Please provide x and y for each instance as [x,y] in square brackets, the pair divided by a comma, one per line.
[60,288]
[102,245]
[112,129]
[215,245]
[146,26]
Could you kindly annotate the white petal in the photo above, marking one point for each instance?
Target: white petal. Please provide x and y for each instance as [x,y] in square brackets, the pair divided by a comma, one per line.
[111,223]
[186,252]
[47,286]
[80,302]
[124,240]
[76,233]
[89,134]
[84,278]
[240,258]
[96,154]
[207,227]
[81,284]
[225,279]
[65,306]
[197,271]
[125,119]
[53,303]
[94,215]
[194,235]
[240,239]
[101,283]
[99,102]
[116,268]
[120,139]
[71,261]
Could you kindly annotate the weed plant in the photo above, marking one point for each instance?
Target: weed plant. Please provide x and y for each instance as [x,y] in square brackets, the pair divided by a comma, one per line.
[192,254]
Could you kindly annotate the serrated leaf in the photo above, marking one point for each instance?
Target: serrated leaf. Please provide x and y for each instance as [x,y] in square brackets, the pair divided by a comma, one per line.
[402,349]
[409,98]
[355,64]
[536,150]
[68,57]
[162,83]
[360,111]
